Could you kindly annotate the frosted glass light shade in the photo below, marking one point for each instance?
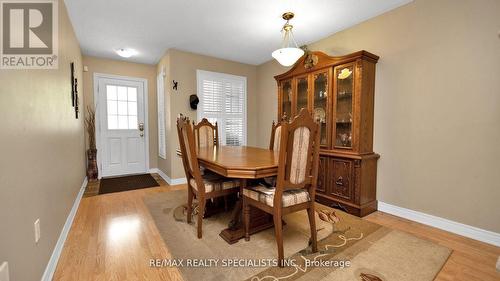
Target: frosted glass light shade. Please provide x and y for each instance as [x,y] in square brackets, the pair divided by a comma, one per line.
[287,56]
[126,53]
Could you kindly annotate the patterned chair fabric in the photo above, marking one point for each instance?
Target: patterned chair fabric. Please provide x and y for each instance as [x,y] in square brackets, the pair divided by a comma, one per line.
[205,136]
[277,139]
[299,155]
[215,183]
[266,195]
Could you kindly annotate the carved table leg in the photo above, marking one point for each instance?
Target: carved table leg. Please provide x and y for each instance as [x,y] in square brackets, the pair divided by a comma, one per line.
[259,220]
[236,215]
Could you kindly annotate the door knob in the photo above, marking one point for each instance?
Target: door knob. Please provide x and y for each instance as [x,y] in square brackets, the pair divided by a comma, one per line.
[141,127]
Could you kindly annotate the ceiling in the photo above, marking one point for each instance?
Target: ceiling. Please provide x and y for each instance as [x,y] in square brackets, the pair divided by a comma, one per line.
[239,30]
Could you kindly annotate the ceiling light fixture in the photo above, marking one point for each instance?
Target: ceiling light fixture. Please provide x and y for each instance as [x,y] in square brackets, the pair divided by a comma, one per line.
[289,52]
[126,53]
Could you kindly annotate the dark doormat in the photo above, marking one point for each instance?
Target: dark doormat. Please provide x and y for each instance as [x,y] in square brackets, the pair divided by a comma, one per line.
[111,185]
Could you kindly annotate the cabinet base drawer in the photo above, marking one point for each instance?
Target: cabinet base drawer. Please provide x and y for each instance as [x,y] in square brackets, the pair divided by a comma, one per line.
[350,208]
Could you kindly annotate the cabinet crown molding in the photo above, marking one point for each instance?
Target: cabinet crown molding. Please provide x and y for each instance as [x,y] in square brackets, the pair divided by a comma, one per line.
[322,60]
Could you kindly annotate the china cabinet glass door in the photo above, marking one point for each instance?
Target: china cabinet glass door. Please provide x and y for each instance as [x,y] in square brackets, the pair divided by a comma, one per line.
[343,106]
[286,98]
[320,103]
[302,90]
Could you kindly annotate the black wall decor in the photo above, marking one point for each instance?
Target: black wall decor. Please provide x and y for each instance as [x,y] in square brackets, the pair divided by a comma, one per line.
[193,101]
[72,67]
[74,89]
[174,85]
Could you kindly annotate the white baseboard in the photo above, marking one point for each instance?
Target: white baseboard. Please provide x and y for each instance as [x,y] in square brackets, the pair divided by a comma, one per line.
[469,231]
[167,178]
[54,258]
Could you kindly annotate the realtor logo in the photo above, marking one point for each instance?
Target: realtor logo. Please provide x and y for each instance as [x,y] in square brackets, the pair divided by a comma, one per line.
[28,34]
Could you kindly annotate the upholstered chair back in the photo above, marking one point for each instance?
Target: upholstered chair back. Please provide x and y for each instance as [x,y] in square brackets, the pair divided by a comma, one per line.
[206,134]
[274,144]
[299,154]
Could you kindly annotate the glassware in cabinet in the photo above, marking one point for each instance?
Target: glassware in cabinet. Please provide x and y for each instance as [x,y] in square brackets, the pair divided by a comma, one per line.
[302,93]
[286,98]
[320,103]
[344,106]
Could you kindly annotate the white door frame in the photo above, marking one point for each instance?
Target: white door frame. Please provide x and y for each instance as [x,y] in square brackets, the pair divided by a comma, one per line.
[144,82]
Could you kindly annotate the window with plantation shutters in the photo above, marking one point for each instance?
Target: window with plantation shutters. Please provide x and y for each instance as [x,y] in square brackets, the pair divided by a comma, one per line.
[223,100]
[160,82]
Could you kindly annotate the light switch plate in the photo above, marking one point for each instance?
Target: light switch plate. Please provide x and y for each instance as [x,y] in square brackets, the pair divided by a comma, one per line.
[4,271]
[37,230]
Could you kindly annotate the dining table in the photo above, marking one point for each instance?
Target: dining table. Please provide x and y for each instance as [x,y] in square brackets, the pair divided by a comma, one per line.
[245,163]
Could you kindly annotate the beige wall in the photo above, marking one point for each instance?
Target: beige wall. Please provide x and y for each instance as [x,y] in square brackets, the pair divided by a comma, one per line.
[437,107]
[181,66]
[267,99]
[122,68]
[42,159]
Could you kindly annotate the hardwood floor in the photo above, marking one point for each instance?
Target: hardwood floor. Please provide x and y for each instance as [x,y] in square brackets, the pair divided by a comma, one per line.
[113,237]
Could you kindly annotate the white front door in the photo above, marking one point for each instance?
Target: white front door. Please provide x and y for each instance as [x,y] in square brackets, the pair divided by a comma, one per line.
[122,141]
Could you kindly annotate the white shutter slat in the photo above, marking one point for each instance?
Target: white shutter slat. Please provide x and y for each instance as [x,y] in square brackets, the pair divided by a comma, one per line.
[223,99]
[162,148]
[211,95]
[234,131]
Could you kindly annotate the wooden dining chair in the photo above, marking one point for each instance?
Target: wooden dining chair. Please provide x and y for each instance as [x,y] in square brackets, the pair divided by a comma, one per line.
[274,143]
[206,134]
[296,180]
[203,188]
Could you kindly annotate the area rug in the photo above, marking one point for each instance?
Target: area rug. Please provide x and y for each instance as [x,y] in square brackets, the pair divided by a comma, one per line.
[349,248]
[118,184]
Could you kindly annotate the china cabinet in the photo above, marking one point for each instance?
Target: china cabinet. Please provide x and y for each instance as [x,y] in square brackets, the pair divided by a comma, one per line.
[339,92]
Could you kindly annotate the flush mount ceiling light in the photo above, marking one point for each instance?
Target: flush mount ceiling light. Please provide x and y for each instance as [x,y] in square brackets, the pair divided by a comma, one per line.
[289,52]
[126,53]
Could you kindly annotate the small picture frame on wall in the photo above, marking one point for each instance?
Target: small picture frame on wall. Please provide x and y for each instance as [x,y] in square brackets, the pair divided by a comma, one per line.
[74,90]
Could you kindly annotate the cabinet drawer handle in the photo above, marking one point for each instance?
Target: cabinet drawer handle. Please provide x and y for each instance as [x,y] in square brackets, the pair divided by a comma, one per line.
[340,181]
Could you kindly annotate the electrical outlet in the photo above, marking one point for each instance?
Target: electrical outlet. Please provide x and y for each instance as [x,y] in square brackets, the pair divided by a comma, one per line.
[4,271]
[37,230]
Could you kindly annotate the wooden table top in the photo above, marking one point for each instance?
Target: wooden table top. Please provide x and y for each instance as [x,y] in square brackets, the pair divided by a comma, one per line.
[239,161]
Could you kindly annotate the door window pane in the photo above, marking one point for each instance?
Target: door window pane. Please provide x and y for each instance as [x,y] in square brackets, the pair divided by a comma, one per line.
[112,122]
[122,93]
[112,107]
[132,122]
[122,122]
[111,92]
[121,107]
[132,94]
[132,108]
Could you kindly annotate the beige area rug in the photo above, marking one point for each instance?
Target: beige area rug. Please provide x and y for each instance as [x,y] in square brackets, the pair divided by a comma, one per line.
[373,252]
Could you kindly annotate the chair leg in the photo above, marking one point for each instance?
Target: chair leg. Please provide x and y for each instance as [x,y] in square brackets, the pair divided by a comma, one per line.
[278,230]
[225,203]
[312,224]
[201,213]
[190,205]
[246,219]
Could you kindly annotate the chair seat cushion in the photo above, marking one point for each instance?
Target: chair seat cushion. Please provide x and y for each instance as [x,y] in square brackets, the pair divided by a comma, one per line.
[216,183]
[266,195]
